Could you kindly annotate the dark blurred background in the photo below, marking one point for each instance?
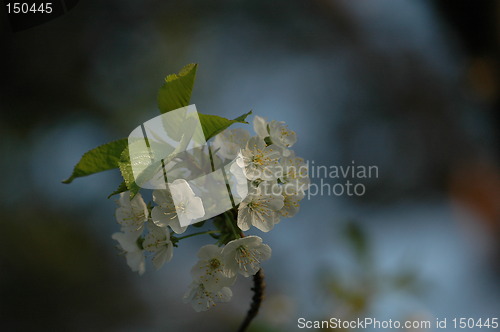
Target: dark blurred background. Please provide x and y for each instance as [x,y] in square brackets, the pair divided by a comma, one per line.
[409,86]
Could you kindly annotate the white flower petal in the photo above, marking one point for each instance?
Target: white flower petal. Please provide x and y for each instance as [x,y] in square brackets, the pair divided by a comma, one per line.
[131,214]
[245,254]
[260,126]
[196,209]
[260,161]
[163,256]
[209,251]
[157,240]
[229,143]
[127,241]
[281,135]
[163,198]
[291,203]
[136,261]
[133,254]
[175,225]
[202,300]
[188,206]
[260,208]
[163,217]
[295,173]
[210,269]
[244,217]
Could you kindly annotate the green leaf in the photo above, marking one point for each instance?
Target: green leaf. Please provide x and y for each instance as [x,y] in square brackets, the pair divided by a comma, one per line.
[176,92]
[102,158]
[213,124]
[242,117]
[121,188]
[127,173]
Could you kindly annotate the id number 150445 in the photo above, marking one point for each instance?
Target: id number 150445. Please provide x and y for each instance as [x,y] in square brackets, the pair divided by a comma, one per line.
[472,323]
[26,8]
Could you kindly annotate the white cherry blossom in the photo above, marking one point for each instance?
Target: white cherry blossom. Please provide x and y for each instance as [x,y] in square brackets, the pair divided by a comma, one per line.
[229,143]
[210,269]
[131,214]
[282,136]
[244,255]
[294,172]
[157,241]
[133,253]
[292,197]
[266,182]
[258,160]
[277,131]
[188,206]
[165,214]
[260,208]
[201,299]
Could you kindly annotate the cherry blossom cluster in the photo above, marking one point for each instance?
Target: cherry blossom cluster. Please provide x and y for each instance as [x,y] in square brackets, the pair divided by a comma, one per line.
[274,183]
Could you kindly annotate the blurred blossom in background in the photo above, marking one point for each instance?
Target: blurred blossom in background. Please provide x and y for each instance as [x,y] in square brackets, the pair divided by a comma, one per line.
[409,86]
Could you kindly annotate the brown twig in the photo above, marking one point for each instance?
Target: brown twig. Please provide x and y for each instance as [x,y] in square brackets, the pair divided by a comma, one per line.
[258,289]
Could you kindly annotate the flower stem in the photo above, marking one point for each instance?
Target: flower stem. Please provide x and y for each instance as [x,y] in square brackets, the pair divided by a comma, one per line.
[195,234]
[258,289]
[229,223]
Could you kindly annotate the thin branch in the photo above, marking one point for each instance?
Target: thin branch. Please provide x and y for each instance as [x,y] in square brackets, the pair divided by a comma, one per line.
[258,289]
[195,234]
